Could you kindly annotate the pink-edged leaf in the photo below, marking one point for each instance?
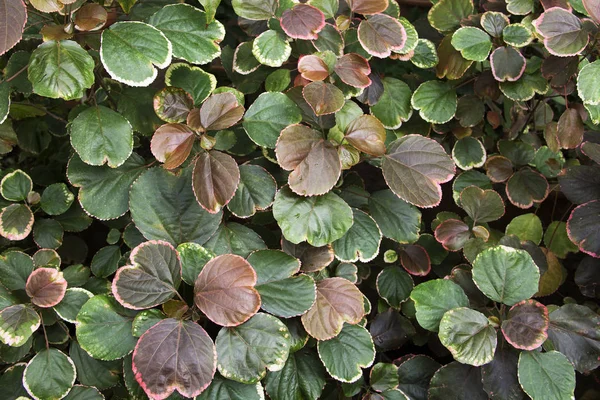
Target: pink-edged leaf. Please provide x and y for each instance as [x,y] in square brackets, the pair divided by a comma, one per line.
[526,326]
[507,63]
[219,111]
[13,16]
[547,4]
[225,292]
[582,227]
[353,70]
[367,134]
[16,221]
[563,32]
[570,129]
[498,168]
[593,8]
[313,68]
[323,98]
[367,7]
[151,278]
[172,143]
[174,355]
[313,160]
[415,260]
[452,234]
[302,21]
[215,179]
[46,287]
[172,104]
[526,187]
[380,34]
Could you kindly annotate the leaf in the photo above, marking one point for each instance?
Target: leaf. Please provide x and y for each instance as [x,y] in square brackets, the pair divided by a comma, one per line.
[163,361]
[380,34]
[338,301]
[215,179]
[368,7]
[499,377]
[446,15]
[224,290]
[104,191]
[246,351]
[574,332]
[436,101]
[103,314]
[219,111]
[302,376]
[526,227]
[393,107]
[473,43]
[494,22]
[61,69]
[506,275]
[49,375]
[244,61]
[415,260]
[546,375]
[192,36]
[323,98]
[517,35]
[354,70]
[227,389]
[92,372]
[318,220]
[367,134]
[383,377]
[16,185]
[482,205]
[302,21]
[71,303]
[457,381]
[271,48]
[233,238]
[570,129]
[172,104]
[314,161]
[16,221]
[164,208]
[593,9]
[172,143]
[468,153]
[46,287]
[102,136]
[312,68]
[525,88]
[361,241]
[17,324]
[255,9]
[256,191]
[14,17]
[312,259]
[390,330]
[414,168]
[527,187]
[394,285]
[562,31]
[56,199]
[414,374]
[397,219]
[281,292]
[526,326]
[269,114]
[15,268]
[131,50]
[433,298]
[194,80]
[508,64]
[453,234]
[345,355]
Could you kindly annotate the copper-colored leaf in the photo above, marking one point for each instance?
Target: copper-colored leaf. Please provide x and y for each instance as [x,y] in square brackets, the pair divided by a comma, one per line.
[13,16]
[380,34]
[313,160]
[225,292]
[353,70]
[46,287]
[302,22]
[323,98]
[367,7]
[172,144]
[216,177]
[452,234]
[570,129]
[312,259]
[415,260]
[367,134]
[313,68]
[219,111]
[90,17]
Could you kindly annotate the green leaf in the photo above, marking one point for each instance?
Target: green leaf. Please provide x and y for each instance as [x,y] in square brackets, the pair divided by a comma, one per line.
[71,303]
[494,22]
[414,375]
[100,135]
[15,186]
[193,258]
[48,233]
[557,240]
[192,36]
[526,227]
[15,268]
[49,375]
[517,35]
[563,32]
[271,48]
[414,168]
[525,88]
[482,205]
[61,69]
[394,285]
[546,375]
[506,275]
[361,241]
[302,377]
[244,62]
[473,43]
[56,199]
[345,355]
[281,293]
[79,392]
[319,220]
[103,314]
[245,352]
[457,381]
[397,219]
[436,101]
[256,191]
[131,50]
[17,324]
[92,372]
[468,153]
[163,207]
[194,80]
[16,222]
[234,238]
[383,377]
[446,15]
[587,83]
[468,335]
[278,80]
[432,300]
[393,107]
[269,114]
[255,9]
[527,187]
[508,64]
[226,389]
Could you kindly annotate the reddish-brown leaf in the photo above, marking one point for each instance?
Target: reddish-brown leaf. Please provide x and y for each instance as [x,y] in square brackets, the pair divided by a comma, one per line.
[219,111]
[570,129]
[302,22]
[452,234]
[380,34]
[367,134]
[353,70]
[415,260]
[172,144]
[46,287]
[216,177]
[323,98]
[313,68]
[13,16]
[90,17]
[367,7]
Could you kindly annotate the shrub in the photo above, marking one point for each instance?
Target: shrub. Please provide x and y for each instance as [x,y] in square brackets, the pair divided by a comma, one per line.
[299,199]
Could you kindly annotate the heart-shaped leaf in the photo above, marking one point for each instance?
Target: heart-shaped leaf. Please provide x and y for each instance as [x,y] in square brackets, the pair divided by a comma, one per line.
[414,167]
[381,34]
[225,292]
[151,278]
[507,63]
[46,287]
[172,143]
[354,70]
[436,101]
[563,32]
[362,240]
[546,375]
[215,180]
[452,234]
[482,205]
[367,134]
[313,68]
[526,326]
[174,355]
[17,324]
[323,98]
[16,221]
[581,228]
[313,160]
[494,22]
[219,111]
[194,80]
[432,300]
[302,21]
[12,23]
[473,43]
[49,375]
[338,301]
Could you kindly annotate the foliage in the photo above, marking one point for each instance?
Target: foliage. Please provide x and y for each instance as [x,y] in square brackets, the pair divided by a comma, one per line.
[316,199]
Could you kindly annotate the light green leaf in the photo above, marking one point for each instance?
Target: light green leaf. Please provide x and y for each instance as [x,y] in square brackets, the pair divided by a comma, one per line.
[269,114]
[49,375]
[271,48]
[588,83]
[16,185]
[193,258]
[393,107]
[517,35]
[361,241]
[17,324]
[546,376]
[194,80]
[425,54]
[15,268]
[432,300]
[446,15]
[526,227]
[473,43]
[56,199]
[255,9]
[436,101]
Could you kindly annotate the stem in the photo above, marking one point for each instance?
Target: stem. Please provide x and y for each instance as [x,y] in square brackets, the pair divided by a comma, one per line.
[44,330]
[16,74]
